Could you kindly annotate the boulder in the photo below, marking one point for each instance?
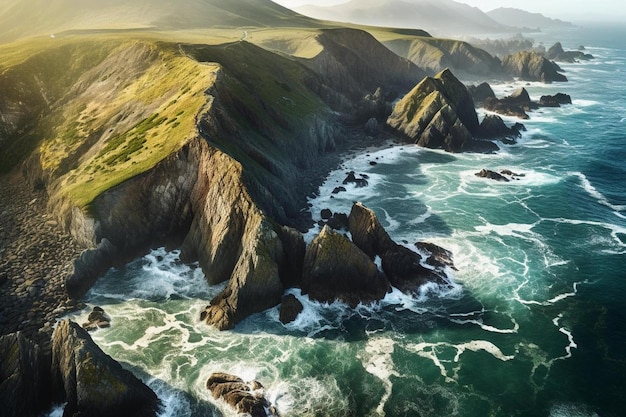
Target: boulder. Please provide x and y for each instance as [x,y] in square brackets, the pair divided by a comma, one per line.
[555,101]
[437,256]
[97,319]
[290,307]
[405,271]
[25,386]
[326,214]
[339,221]
[492,175]
[95,384]
[244,397]
[531,66]
[336,269]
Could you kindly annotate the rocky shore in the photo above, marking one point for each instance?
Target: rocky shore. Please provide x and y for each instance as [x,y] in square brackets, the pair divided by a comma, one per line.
[36,257]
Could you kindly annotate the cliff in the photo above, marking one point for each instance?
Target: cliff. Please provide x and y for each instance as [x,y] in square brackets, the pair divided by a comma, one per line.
[531,66]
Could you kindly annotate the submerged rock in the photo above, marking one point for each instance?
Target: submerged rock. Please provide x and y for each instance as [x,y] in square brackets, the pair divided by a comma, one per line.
[94,384]
[245,397]
[492,175]
[336,269]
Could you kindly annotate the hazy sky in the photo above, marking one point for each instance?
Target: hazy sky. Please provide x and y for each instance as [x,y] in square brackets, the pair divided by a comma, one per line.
[565,9]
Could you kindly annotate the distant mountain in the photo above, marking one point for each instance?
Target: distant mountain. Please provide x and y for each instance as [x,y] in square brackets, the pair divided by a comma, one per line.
[517,17]
[439,17]
[23,18]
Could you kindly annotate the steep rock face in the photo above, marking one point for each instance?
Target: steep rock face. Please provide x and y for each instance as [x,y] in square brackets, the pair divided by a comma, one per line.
[233,240]
[433,54]
[336,269]
[439,113]
[25,389]
[480,92]
[367,232]
[94,384]
[531,66]
[354,63]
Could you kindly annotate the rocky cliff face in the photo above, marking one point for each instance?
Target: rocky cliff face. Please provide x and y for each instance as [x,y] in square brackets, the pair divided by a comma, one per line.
[531,66]
[93,383]
[25,389]
[435,55]
[439,113]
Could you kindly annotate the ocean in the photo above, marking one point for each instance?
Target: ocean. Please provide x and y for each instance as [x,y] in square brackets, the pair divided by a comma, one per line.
[535,324]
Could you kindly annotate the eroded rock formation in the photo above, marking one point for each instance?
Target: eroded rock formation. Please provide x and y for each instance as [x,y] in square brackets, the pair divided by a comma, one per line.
[557,53]
[93,383]
[244,397]
[531,66]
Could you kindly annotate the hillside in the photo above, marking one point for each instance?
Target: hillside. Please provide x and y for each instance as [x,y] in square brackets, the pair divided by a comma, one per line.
[439,17]
[47,18]
[510,16]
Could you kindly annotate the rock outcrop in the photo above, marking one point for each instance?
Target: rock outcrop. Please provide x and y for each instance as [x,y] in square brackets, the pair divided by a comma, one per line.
[439,113]
[493,127]
[336,269]
[93,383]
[557,53]
[290,307]
[403,267]
[480,92]
[25,386]
[245,397]
[519,103]
[530,66]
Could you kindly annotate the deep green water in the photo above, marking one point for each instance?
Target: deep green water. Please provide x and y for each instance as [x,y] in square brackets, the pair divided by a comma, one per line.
[536,325]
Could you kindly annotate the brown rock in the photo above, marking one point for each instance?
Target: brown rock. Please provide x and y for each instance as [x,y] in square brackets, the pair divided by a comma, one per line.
[336,269]
[290,307]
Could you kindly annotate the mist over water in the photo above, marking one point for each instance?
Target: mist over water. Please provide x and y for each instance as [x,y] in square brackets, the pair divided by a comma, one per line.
[533,327]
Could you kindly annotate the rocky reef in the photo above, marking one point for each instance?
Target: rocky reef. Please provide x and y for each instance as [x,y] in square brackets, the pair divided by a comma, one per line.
[519,103]
[557,53]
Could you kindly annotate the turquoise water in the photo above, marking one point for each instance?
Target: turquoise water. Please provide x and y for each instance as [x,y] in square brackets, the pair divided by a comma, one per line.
[535,325]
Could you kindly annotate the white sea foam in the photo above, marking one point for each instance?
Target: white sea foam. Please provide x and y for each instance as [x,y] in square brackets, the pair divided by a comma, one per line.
[432,351]
[377,361]
[598,196]
[572,410]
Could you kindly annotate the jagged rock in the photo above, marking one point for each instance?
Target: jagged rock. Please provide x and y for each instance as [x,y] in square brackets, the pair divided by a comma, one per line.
[338,190]
[557,53]
[405,271]
[511,173]
[492,175]
[90,266]
[555,101]
[326,214]
[493,126]
[336,269]
[517,104]
[438,257]
[352,179]
[25,386]
[480,92]
[439,113]
[95,384]
[531,66]
[367,232]
[245,397]
[338,221]
[290,307]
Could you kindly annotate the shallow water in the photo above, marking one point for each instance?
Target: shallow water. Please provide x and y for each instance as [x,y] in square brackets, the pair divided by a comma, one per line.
[533,327]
